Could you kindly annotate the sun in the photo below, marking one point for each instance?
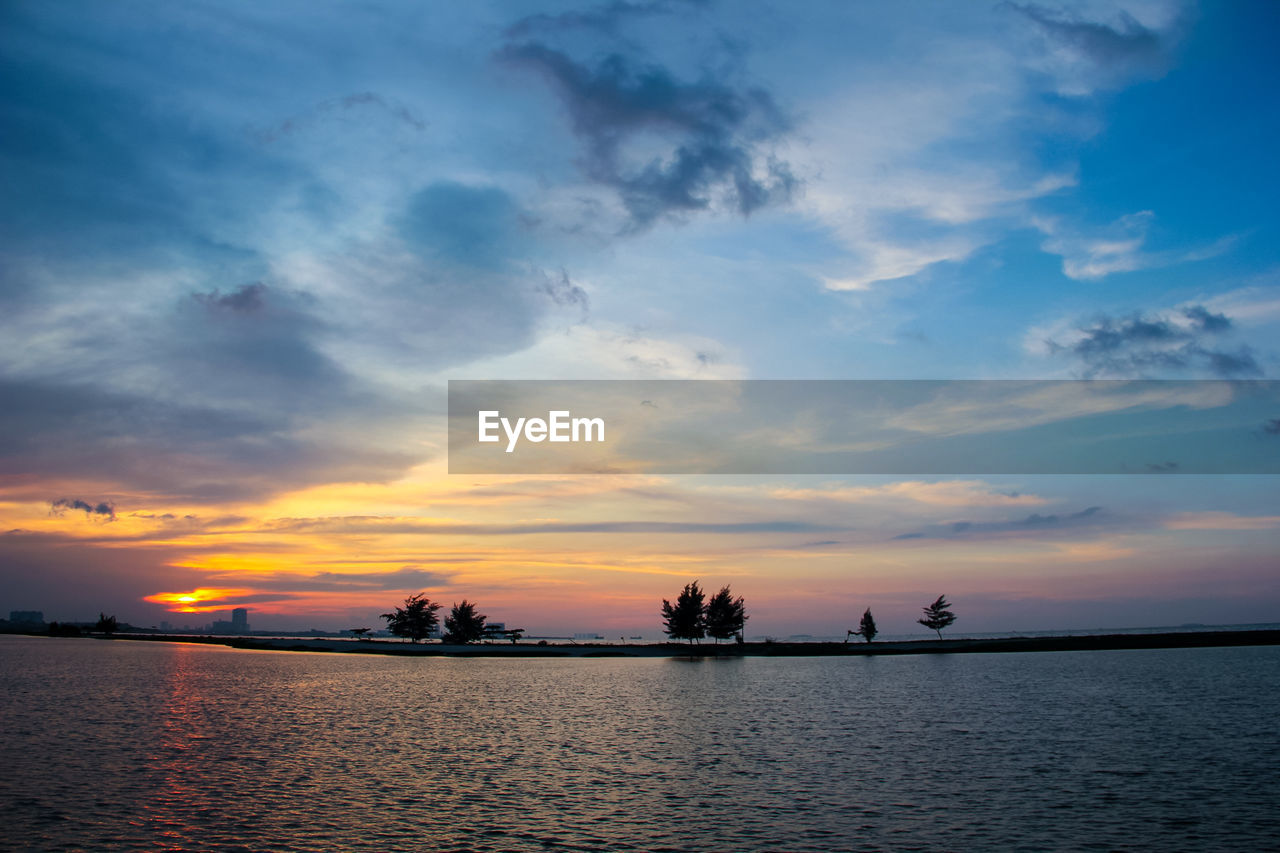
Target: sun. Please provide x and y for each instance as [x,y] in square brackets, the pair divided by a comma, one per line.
[200,600]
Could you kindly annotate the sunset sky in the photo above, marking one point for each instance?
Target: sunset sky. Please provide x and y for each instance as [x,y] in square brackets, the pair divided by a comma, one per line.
[245,246]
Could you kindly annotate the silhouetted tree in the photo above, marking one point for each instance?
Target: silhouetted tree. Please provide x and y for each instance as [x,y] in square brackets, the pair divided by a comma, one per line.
[415,620]
[725,615]
[106,624]
[937,616]
[463,624]
[867,627]
[687,619]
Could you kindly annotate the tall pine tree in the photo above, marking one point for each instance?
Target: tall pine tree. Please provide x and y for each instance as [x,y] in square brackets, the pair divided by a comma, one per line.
[867,627]
[687,619]
[726,615]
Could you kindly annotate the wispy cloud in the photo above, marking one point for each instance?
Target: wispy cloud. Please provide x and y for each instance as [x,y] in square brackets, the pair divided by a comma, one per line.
[384,525]
[1222,521]
[948,493]
[1123,40]
[607,18]
[1117,248]
[1034,524]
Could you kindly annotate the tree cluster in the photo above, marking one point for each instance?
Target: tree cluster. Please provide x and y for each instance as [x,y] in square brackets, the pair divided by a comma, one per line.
[417,620]
[693,617]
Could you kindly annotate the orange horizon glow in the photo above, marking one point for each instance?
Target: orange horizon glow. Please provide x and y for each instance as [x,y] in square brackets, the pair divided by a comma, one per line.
[556,550]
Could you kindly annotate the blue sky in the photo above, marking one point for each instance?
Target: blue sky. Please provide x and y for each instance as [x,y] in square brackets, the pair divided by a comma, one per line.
[245,245]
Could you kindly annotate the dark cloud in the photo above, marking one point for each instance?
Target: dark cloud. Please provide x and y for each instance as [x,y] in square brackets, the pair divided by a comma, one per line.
[244,299]
[1272,427]
[1134,346]
[1205,321]
[101,508]
[1124,42]
[1031,524]
[562,291]
[607,18]
[713,134]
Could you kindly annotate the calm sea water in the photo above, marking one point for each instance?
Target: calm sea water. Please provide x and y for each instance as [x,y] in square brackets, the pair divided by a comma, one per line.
[128,745]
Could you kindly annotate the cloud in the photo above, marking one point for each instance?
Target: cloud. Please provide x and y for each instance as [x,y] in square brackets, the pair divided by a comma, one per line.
[950,493]
[70,579]
[409,577]
[101,508]
[1033,524]
[388,525]
[211,599]
[1117,248]
[667,147]
[1124,41]
[1177,341]
[342,106]
[1087,48]
[168,449]
[562,291]
[473,225]
[1222,521]
[607,351]
[606,18]
[245,299]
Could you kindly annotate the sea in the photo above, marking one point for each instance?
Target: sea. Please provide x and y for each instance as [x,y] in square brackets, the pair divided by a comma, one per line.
[120,745]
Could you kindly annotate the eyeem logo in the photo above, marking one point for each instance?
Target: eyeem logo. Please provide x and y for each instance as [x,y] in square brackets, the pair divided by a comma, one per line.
[559,426]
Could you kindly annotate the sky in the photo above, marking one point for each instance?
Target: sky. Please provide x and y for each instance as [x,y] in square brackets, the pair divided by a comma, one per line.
[244,247]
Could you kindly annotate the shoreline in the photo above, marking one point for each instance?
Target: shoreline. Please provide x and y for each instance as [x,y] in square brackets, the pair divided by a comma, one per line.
[1100,642]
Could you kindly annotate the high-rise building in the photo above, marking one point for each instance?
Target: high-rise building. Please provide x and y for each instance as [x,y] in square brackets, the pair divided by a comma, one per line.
[240,620]
[27,617]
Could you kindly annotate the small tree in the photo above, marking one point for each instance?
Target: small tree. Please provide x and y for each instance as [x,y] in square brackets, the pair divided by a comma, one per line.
[106,624]
[937,616]
[415,620]
[725,615]
[687,619]
[463,624]
[867,627]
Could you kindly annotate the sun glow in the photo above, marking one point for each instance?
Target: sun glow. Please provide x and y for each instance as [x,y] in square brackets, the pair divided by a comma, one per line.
[200,600]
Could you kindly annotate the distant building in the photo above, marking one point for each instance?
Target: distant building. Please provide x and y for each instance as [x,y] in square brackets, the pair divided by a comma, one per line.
[239,623]
[27,617]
